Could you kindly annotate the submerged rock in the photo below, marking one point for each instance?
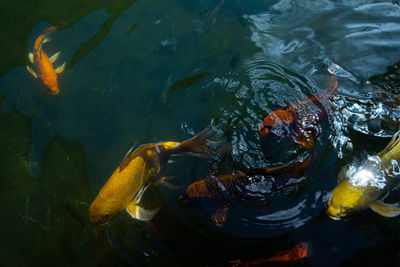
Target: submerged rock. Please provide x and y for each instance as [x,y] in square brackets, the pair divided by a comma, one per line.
[45,220]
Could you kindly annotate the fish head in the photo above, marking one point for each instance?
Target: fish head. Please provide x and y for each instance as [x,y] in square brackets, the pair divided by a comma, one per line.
[103,210]
[359,186]
[346,199]
[54,90]
[197,190]
[52,85]
[276,124]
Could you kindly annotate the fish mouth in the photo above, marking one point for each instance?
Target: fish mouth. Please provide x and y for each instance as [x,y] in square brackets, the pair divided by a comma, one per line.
[333,217]
[335,214]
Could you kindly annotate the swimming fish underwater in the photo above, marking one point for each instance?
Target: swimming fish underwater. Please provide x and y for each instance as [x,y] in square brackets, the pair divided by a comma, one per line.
[43,68]
[219,194]
[367,185]
[211,16]
[140,168]
[298,252]
[300,121]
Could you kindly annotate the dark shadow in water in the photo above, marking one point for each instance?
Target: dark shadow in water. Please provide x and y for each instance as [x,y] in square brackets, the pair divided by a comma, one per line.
[18,18]
[170,242]
[390,80]
[187,82]
[45,220]
[384,254]
[105,28]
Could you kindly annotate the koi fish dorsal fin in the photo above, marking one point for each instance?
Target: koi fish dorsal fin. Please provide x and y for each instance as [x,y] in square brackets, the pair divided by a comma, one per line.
[127,158]
[386,210]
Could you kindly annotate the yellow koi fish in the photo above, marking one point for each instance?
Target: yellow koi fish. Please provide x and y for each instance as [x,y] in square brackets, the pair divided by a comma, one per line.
[140,168]
[368,185]
[44,69]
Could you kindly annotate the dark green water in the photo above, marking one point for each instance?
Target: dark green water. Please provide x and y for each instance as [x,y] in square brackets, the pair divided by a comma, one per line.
[147,71]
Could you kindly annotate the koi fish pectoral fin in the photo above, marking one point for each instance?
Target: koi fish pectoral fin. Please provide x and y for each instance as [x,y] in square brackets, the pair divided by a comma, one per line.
[60,69]
[385,209]
[304,141]
[220,216]
[31,71]
[54,57]
[31,57]
[140,213]
[164,182]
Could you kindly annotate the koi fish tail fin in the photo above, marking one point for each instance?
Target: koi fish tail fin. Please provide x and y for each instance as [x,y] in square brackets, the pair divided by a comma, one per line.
[210,141]
[284,258]
[333,85]
[298,252]
[44,38]
[48,31]
[392,150]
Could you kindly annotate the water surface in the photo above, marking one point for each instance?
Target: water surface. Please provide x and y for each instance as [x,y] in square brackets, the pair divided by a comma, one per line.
[140,72]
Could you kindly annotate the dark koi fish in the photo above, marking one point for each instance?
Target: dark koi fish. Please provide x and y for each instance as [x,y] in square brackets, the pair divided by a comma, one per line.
[223,191]
[301,121]
[298,252]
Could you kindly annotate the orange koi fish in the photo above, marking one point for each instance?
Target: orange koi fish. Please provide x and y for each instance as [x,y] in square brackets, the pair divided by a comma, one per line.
[300,121]
[298,252]
[42,64]
[140,168]
[220,193]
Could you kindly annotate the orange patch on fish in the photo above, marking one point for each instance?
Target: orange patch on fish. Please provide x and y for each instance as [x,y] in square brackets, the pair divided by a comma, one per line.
[300,121]
[42,64]
[298,252]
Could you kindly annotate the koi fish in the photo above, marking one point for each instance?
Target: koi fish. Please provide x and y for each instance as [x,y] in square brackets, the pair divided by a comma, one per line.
[44,69]
[368,185]
[211,16]
[298,252]
[301,121]
[140,168]
[224,191]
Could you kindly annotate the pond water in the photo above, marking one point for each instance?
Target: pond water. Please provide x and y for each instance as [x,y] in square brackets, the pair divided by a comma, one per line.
[147,71]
